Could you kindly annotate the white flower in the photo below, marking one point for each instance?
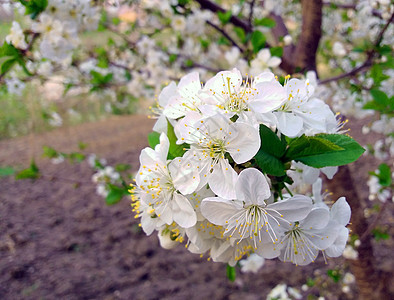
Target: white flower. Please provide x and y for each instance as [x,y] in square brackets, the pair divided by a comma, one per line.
[350,253]
[278,292]
[303,240]
[249,216]
[252,264]
[299,113]
[164,96]
[211,139]
[178,23]
[185,98]
[349,278]
[232,56]
[164,188]
[16,36]
[263,62]
[294,293]
[339,213]
[287,39]
[55,120]
[338,49]
[15,86]
[227,91]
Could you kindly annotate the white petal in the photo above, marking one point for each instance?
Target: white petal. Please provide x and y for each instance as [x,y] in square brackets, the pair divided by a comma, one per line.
[224,80]
[289,124]
[273,62]
[340,211]
[183,212]
[310,174]
[252,187]
[325,237]
[218,210]
[337,248]
[317,219]
[162,148]
[294,209]
[270,97]
[222,180]
[166,94]
[184,176]
[244,145]
[329,171]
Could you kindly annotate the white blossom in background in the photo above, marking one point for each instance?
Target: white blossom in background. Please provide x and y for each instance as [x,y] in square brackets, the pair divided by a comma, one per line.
[16,36]
[252,264]
[263,62]
[15,86]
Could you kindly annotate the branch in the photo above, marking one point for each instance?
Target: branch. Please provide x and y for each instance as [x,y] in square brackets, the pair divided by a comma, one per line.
[206,4]
[226,35]
[375,12]
[368,61]
[250,19]
[372,225]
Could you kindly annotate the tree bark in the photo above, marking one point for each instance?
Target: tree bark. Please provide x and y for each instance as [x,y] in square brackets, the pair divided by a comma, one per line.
[368,279]
[304,58]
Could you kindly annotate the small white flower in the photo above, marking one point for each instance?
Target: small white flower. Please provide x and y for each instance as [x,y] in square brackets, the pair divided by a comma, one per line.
[16,36]
[278,292]
[252,264]
[178,23]
[349,278]
[263,62]
[350,253]
[287,40]
[338,49]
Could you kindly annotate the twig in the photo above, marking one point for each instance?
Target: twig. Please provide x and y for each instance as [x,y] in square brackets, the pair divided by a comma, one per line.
[206,4]
[368,61]
[374,222]
[251,12]
[226,35]
[375,12]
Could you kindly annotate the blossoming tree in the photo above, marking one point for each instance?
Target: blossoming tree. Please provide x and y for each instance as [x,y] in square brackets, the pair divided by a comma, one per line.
[236,153]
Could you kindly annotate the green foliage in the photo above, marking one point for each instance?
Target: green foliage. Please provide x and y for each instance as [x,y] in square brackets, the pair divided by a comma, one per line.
[268,158]
[6,171]
[258,41]
[153,139]
[115,194]
[376,73]
[231,273]
[384,175]
[175,150]
[276,51]
[381,102]
[9,56]
[34,7]
[334,275]
[122,167]
[241,34]
[30,173]
[49,152]
[266,22]
[99,80]
[324,150]
[380,234]
[224,17]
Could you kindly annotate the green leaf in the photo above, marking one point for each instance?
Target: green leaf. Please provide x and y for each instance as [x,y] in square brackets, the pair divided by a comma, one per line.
[324,150]
[334,274]
[276,51]
[7,65]
[308,146]
[115,194]
[380,234]
[76,157]
[258,41]
[30,173]
[384,175]
[381,102]
[122,167]
[82,145]
[240,32]
[270,164]
[6,171]
[266,22]
[34,7]
[175,150]
[231,273]
[49,152]
[268,158]
[153,139]
[270,142]
[224,17]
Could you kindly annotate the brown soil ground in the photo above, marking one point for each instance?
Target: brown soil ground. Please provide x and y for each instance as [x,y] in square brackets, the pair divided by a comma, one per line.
[59,241]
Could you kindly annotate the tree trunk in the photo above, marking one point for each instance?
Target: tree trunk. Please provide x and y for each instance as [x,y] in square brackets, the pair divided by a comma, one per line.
[305,54]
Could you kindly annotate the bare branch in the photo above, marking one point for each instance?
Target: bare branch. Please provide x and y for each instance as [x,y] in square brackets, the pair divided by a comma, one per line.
[226,35]
[206,4]
[250,19]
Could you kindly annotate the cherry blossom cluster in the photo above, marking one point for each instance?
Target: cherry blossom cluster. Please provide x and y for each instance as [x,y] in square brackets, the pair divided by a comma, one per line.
[201,185]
